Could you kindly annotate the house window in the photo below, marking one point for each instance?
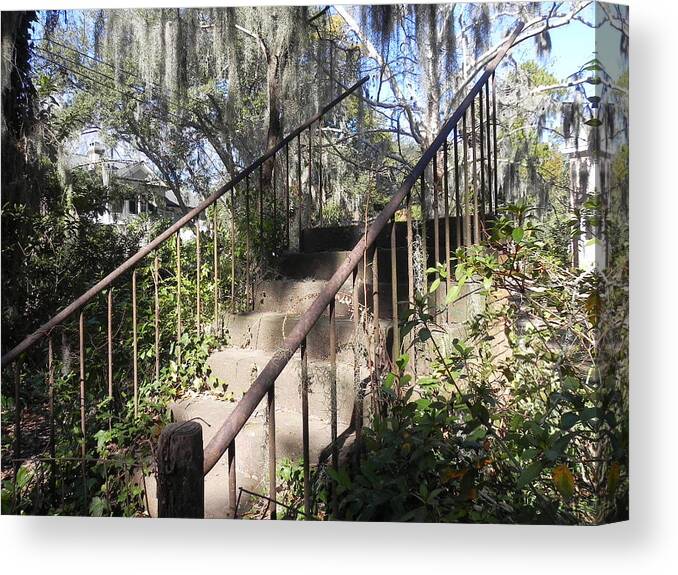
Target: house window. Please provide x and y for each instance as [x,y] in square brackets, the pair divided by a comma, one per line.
[116,206]
[132,206]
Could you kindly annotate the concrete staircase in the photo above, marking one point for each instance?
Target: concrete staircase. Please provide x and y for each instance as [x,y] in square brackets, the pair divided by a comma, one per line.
[252,340]
[254,337]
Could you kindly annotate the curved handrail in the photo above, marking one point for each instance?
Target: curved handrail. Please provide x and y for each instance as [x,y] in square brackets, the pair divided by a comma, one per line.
[265,380]
[128,264]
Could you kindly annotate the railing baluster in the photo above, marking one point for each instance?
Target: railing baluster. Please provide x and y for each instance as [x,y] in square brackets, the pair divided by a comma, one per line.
[50,389]
[466,207]
[271,450]
[436,215]
[261,209]
[410,270]
[481,140]
[248,247]
[135,362]
[310,168]
[457,198]
[197,277]
[474,171]
[215,256]
[17,428]
[233,261]
[375,291]
[156,294]
[232,483]
[304,423]
[424,231]
[299,192]
[394,293]
[83,447]
[109,347]
[287,196]
[356,361]
[320,172]
[178,258]
[488,136]
[333,395]
[375,324]
[494,142]
[446,191]
[274,194]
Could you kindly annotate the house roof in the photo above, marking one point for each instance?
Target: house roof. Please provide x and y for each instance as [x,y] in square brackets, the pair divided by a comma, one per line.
[139,172]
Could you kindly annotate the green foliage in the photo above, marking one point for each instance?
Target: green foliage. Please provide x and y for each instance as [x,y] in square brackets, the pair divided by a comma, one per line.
[49,259]
[424,461]
[61,255]
[522,420]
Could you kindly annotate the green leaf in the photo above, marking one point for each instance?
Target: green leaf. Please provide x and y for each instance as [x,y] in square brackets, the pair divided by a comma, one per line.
[427,381]
[557,448]
[477,434]
[530,453]
[517,234]
[568,420]
[402,361]
[424,335]
[453,294]
[589,413]
[460,273]
[435,284]
[97,507]
[570,383]
[529,474]
[423,404]
[23,477]
[340,476]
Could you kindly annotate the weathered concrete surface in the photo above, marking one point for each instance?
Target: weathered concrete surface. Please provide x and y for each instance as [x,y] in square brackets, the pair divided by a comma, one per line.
[322,265]
[239,367]
[266,331]
[295,296]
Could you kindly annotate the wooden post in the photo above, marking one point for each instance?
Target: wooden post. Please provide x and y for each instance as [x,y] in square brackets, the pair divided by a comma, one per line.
[181,486]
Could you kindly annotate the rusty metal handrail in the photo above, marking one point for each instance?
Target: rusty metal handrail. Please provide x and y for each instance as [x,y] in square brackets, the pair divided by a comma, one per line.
[266,379]
[130,263]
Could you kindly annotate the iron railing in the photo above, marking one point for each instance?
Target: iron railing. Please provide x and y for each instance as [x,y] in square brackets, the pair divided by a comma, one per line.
[269,218]
[465,147]
[473,128]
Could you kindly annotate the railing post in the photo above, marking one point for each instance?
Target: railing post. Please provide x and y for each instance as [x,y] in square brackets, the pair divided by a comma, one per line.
[181,485]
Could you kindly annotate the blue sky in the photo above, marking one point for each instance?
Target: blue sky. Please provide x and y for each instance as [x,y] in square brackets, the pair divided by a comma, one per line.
[572,46]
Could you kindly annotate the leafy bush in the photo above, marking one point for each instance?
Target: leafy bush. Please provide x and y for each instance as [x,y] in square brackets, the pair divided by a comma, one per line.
[525,419]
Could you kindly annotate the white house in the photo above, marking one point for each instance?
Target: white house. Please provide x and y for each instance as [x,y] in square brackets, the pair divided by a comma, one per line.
[125,164]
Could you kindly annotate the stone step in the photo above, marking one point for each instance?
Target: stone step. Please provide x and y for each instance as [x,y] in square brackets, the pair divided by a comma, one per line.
[295,296]
[251,450]
[322,265]
[343,238]
[266,331]
[239,368]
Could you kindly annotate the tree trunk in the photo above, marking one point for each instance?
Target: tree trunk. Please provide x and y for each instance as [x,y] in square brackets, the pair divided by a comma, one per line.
[276,68]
